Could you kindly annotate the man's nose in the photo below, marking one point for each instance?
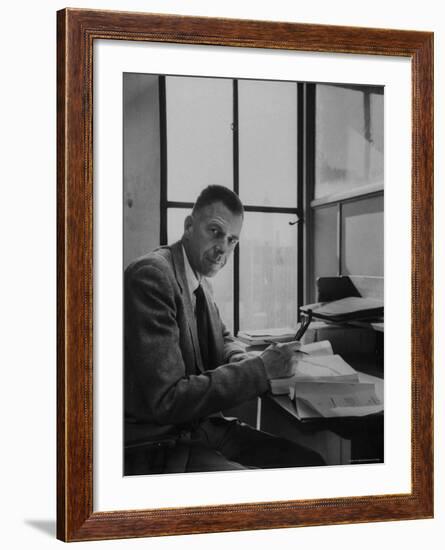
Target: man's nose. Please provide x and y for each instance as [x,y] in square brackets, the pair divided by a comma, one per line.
[222,246]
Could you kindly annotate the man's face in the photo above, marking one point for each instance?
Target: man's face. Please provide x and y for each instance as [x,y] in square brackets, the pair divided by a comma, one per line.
[210,236]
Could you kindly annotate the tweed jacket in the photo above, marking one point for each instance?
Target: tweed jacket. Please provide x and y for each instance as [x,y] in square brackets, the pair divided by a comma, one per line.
[167,388]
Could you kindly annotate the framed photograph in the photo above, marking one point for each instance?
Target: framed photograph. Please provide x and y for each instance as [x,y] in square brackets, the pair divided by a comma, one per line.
[223,185]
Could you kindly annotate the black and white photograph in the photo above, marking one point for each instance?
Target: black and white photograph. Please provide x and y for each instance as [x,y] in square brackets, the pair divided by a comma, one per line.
[253,257]
[221,232]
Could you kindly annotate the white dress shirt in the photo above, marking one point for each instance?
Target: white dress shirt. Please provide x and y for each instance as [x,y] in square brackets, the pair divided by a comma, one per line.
[192,280]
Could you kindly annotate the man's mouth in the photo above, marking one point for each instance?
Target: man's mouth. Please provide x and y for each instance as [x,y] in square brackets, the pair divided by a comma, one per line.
[215,262]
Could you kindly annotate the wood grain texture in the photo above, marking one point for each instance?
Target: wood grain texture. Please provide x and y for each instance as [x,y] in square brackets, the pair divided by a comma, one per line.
[76,32]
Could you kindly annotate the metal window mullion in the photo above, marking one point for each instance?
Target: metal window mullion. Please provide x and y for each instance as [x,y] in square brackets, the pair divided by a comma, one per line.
[339,237]
[272,209]
[178,204]
[247,208]
[236,255]
[309,185]
[300,197]
[163,154]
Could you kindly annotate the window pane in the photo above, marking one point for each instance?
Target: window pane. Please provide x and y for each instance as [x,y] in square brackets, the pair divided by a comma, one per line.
[175,223]
[199,135]
[268,272]
[268,142]
[325,242]
[222,283]
[349,138]
[362,231]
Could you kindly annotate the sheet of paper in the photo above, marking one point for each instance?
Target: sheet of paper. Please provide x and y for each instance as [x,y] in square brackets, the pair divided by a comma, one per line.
[264,333]
[310,367]
[318,348]
[337,400]
[315,368]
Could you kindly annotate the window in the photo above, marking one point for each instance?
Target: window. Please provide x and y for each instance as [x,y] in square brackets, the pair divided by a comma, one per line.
[349,138]
[199,115]
[307,162]
[346,204]
[241,134]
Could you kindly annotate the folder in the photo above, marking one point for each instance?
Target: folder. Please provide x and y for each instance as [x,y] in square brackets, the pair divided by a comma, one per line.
[353,308]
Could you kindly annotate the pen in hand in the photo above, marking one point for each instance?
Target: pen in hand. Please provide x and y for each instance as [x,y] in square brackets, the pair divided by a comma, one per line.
[315,364]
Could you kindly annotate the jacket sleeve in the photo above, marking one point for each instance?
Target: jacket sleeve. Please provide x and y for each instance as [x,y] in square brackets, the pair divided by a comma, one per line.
[234,351]
[152,339]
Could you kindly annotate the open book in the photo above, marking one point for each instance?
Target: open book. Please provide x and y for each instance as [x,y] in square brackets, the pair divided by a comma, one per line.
[317,364]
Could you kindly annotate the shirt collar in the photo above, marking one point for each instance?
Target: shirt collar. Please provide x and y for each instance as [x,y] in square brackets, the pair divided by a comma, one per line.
[192,280]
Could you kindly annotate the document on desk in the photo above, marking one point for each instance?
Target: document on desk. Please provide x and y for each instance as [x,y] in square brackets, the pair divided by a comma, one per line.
[326,400]
[318,364]
[329,368]
[318,348]
[266,336]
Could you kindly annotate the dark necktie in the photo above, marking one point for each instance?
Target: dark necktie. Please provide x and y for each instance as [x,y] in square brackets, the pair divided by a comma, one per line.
[202,321]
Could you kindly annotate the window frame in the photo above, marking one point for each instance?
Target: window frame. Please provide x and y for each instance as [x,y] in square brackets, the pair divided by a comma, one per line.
[335,199]
[306,205]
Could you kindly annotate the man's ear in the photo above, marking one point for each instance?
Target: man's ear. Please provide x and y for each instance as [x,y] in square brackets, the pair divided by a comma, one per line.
[188,224]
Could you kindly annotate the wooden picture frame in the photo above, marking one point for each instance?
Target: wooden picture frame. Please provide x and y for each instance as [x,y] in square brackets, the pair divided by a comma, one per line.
[77,31]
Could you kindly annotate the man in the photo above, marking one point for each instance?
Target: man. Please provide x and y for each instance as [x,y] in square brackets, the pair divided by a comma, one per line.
[182,367]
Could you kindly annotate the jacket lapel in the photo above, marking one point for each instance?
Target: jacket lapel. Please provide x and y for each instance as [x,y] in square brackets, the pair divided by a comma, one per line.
[178,265]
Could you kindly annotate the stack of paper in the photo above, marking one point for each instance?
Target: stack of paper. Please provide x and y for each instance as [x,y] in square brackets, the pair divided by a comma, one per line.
[266,336]
[335,400]
[316,363]
[324,385]
[330,369]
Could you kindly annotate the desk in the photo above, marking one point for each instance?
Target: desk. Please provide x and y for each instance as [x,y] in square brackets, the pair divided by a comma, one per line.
[338,440]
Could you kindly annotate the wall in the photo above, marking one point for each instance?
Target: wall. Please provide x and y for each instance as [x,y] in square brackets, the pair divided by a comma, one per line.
[142,165]
[27,405]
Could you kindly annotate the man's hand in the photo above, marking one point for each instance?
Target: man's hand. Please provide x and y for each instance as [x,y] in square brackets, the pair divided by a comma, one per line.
[238,357]
[279,359]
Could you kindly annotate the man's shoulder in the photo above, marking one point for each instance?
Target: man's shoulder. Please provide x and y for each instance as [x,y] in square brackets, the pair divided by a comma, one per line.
[160,258]
[164,262]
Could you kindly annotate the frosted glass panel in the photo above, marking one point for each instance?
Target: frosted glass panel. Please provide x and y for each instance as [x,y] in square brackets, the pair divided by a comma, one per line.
[268,142]
[222,283]
[325,242]
[199,135]
[268,272]
[175,223]
[349,138]
[362,251]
